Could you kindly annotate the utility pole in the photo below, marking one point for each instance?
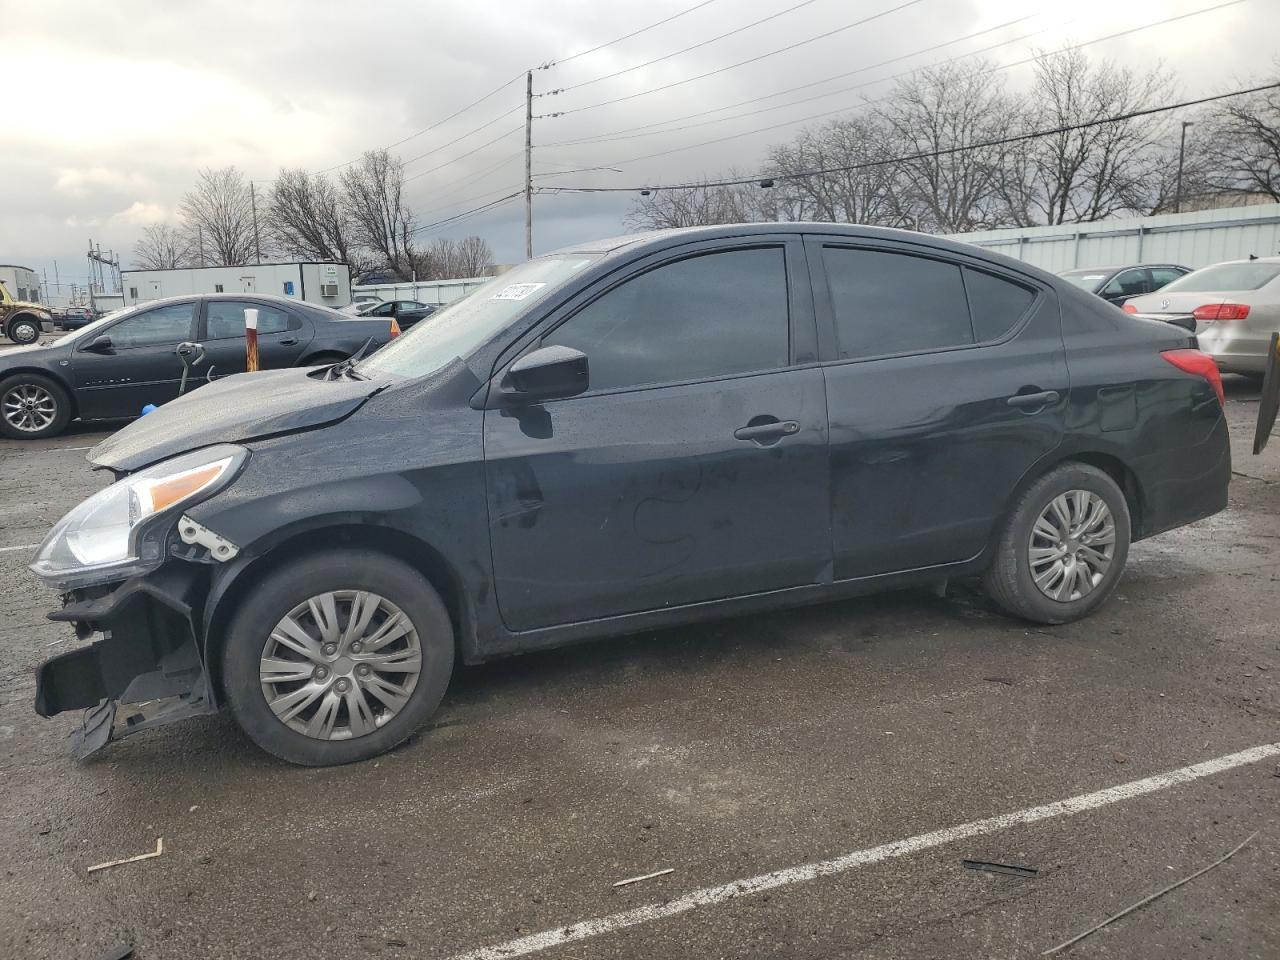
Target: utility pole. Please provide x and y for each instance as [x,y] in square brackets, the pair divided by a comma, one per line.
[528,165]
[253,202]
[1182,150]
[200,242]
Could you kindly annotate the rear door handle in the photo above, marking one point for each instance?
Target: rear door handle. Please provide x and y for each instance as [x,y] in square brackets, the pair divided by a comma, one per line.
[288,342]
[764,432]
[1041,399]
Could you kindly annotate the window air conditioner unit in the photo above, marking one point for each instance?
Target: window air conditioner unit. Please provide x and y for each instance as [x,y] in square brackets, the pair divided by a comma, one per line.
[328,289]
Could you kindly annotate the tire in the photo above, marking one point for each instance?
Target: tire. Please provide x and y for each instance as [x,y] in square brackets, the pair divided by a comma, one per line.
[33,407]
[253,631]
[1012,578]
[23,330]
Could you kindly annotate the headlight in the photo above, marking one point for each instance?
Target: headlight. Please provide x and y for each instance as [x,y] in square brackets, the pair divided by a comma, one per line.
[110,536]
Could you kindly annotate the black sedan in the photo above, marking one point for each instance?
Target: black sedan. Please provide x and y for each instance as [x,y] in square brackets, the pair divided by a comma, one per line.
[640,432]
[1118,284]
[405,312]
[112,367]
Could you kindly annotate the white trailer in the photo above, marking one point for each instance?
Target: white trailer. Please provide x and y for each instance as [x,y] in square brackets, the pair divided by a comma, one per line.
[326,284]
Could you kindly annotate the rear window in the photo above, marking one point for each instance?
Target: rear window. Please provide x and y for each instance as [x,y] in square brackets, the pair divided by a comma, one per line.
[1089,280]
[1227,276]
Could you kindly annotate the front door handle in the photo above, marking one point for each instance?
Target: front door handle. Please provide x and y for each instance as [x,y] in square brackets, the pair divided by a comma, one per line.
[1041,399]
[763,433]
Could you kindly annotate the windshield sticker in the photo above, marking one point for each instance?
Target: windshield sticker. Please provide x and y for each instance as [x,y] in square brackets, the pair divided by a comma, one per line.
[1096,276]
[517,291]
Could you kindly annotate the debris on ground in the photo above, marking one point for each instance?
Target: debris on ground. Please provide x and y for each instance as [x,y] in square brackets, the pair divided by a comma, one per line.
[1007,681]
[142,856]
[1155,896]
[647,876]
[1005,868]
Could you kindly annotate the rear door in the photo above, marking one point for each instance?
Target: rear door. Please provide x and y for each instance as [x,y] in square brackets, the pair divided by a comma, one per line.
[283,334]
[946,381]
[694,468]
[142,367]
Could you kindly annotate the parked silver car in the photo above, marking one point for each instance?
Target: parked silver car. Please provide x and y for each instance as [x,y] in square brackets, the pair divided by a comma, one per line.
[1233,308]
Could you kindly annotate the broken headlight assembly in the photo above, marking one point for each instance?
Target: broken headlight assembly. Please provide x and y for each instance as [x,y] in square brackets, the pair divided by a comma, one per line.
[120,531]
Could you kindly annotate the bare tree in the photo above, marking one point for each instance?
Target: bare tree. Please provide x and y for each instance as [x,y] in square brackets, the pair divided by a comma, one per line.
[305,218]
[699,204]
[1245,144]
[931,114]
[870,193]
[217,216]
[1094,172]
[475,259]
[373,199]
[161,247]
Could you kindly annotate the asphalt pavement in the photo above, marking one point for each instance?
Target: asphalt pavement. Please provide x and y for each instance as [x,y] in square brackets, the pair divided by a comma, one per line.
[851,755]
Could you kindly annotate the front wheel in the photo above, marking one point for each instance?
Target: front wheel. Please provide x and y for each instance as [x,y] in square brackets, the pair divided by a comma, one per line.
[24,330]
[1063,546]
[32,407]
[337,657]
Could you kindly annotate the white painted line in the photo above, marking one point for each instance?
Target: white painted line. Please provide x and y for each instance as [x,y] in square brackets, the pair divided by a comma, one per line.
[21,546]
[709,896]
[71,448]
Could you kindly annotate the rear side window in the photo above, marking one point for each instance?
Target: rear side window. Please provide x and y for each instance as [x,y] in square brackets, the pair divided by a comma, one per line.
[225,319]
[996,304]
[1162,275]
[710,315]
[888,303]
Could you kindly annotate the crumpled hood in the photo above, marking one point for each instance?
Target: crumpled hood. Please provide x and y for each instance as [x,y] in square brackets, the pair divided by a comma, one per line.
[233,410]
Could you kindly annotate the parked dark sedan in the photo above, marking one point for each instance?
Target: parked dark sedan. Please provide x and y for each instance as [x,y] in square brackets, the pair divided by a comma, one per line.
[406,312]
[620,436]
[114,366]
[1118,284]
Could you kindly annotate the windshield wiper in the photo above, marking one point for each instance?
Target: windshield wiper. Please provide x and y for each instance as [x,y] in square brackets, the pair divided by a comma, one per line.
[344,368]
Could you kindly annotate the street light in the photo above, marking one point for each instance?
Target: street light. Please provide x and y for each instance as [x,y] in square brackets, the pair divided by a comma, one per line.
[1182,150]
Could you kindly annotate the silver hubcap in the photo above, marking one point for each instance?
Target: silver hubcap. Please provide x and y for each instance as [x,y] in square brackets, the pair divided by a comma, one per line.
[340,665]
[28,407]
[1072,544]
[25,332]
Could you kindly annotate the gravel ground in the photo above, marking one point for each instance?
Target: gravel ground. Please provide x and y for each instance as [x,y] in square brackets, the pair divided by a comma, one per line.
[722,751]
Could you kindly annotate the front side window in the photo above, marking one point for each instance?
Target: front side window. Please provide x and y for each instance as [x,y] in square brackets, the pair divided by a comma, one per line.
[1127,284]
[888,303]
[163,325]
[710,315]
[224,319]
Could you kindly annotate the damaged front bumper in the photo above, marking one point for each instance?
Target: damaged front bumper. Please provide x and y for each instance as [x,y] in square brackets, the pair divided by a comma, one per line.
[150,652]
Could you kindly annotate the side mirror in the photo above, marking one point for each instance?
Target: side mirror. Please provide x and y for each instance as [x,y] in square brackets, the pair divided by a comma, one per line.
[100,344]
[548,373]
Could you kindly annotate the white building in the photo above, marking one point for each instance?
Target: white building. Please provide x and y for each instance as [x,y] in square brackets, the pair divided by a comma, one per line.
[327,284]
[21,282]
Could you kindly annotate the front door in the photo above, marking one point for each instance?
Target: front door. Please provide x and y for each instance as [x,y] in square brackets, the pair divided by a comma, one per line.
[282,336]
[141,365]
[946,382]
[694,468]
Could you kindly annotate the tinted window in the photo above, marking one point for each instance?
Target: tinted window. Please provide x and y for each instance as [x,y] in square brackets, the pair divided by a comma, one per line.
[1163,275]
[895,303]
[1127,284]
[707,316]
[1086,279]
[224,319]
[996,304]
[1227,276]
[168,324]
[383,310]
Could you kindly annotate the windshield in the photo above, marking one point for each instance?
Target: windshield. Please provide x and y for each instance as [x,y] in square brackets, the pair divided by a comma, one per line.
[1089,280]
[91,329]
[458,328]
[1226,276]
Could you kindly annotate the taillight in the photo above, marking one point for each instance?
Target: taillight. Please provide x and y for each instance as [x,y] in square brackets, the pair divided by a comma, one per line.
[395,329]
[1129,308]
[1221,311]
[1201,364]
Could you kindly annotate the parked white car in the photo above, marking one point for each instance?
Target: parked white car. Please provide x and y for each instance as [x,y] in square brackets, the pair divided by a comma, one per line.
[1233,308]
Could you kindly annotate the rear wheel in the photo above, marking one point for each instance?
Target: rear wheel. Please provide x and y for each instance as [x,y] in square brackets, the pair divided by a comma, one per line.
[24,330]
[32,406]
[337,657]
[1063,546]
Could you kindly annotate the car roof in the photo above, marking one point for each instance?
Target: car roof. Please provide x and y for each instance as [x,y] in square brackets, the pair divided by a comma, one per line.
[1245,260]
[1128,266]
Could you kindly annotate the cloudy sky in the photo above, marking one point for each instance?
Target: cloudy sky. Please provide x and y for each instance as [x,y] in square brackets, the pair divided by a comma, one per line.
[111,108]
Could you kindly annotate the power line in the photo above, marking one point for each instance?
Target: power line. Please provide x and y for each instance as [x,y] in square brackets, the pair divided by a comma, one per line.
[621,134]
[462,156]
[676,53]
[635,33]
[740,63]
[464,136]
[847,107]
[925,155]
[492,204]
[455,203]
[461,110]
[473,177]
